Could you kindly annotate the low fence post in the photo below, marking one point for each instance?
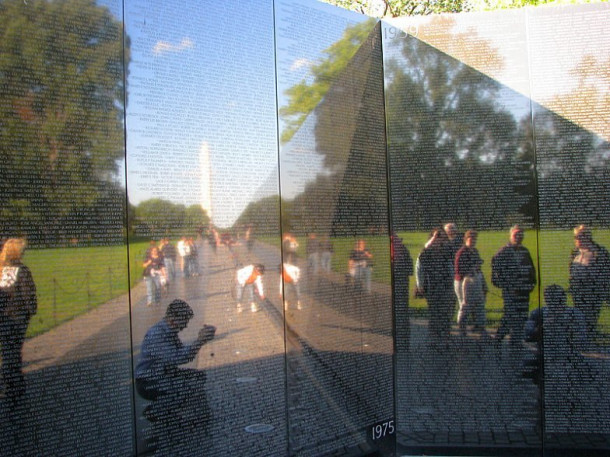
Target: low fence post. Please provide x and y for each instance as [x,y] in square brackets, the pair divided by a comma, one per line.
[87,279]
[54,301]
[110,282]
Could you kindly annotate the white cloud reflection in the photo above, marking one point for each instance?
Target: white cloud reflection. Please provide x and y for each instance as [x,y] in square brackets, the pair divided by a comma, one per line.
[164,47]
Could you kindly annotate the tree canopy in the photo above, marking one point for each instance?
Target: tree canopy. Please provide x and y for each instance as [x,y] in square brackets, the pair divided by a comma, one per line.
[61,112]
[396,8]
[304,97]
[457,149]
[155,218]
[456,153]
[264,216]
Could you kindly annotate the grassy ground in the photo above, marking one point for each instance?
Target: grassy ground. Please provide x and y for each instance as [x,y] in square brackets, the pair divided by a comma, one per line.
[71,281]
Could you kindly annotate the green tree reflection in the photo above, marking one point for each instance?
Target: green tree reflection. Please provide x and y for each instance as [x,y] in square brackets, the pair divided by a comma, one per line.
[61,115]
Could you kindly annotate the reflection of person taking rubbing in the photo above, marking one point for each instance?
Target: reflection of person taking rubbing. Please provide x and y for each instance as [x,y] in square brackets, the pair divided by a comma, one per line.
[247,278]
[559,333]
[158,376]
[564,328]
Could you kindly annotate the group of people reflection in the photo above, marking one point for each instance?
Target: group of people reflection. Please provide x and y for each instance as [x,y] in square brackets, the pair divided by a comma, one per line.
[319,253]
[448,271]
[162,259]
[164,262]
[448,274]
[170,389]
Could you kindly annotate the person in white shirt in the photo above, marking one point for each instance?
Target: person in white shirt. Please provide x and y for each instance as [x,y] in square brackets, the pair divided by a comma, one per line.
[291,275]
[184,251]
[247,278]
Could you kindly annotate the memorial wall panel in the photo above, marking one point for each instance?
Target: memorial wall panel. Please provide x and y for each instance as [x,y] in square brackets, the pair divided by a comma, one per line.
[203,193]
[464,221]
[279,228]
[569,50]
[335,243]
[64,312]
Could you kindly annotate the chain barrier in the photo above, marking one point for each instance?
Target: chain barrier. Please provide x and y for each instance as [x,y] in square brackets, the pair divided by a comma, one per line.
[54,301]
[110,283]
[84,284]
[78,289]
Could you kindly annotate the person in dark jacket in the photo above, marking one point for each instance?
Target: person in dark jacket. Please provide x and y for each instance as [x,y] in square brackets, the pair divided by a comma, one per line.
[18,304]
[513,271]
[403,268]
[158,375]
[589,277]
[434,275]
[402,264]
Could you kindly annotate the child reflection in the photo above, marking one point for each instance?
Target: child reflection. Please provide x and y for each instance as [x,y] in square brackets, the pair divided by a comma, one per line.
[360,265]
[169,254]
[155,276]
[17,305]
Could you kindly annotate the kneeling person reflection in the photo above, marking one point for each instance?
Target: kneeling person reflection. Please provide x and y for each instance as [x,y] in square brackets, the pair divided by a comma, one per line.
[158,376]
